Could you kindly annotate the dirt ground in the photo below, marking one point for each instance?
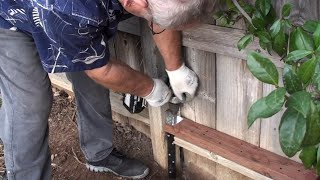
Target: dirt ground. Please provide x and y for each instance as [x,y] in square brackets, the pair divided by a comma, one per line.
[67,159]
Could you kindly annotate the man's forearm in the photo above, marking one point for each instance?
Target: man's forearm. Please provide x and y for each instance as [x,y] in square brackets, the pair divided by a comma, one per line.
[169,45]
[120,77]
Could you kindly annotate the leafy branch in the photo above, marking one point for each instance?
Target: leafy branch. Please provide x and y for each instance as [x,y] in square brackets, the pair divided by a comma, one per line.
[299,48]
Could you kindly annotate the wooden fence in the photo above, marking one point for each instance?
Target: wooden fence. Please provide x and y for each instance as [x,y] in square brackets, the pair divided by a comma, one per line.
[227,89]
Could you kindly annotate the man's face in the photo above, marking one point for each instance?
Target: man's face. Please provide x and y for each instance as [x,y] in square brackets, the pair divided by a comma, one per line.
[140,8]
[137,7]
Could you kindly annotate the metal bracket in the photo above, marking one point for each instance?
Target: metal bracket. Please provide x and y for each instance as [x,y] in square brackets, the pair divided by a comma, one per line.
[173,114]
[172,119]
[171,157]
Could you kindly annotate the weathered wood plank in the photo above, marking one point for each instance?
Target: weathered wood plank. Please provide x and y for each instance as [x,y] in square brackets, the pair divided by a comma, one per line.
[60,81]
[302,10]
[245,154]
[131,25]
[237,90]
[220,40]
[154,67]
[127,49]
[202,108]
[219,159]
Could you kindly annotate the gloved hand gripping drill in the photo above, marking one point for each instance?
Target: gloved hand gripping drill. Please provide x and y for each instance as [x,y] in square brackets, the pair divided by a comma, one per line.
[183,82]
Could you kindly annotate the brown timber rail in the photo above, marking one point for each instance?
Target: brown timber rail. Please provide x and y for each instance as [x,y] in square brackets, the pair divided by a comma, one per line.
[268,164]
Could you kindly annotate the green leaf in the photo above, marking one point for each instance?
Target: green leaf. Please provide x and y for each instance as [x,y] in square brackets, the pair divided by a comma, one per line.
[316,36]
[306,70]
[264,37]
[275,28]
[286,10]
[262,68]
[264,6]
[301,40]
[280,44]
[312,136]
[244,41]
[258,21]
[310,26]
[287,23]
[230,4]
[318,162]
[308,156]
[267,106]
[271,17]
[316,76]
[222,21]
[218,15]
[291,131]
[248,8]
[291,80]
[297,55]
[301,102]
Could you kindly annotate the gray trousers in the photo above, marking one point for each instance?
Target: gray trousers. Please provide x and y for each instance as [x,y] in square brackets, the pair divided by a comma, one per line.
[27,100]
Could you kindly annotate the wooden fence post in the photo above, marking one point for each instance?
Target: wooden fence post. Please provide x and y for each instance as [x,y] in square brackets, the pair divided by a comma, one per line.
[154,67]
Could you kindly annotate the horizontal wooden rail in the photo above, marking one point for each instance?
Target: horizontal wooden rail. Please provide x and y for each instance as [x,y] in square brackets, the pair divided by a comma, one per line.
[240,152]
[219,159]
[211,38]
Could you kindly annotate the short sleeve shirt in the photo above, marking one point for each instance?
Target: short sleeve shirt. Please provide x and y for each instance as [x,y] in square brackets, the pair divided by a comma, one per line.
[70,35]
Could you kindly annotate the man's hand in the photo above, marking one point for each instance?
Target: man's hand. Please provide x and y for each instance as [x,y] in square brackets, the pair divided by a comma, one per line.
[184,83]
[159,95]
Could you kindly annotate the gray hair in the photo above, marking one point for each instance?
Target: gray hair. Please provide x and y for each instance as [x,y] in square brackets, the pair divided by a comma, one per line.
[173,13]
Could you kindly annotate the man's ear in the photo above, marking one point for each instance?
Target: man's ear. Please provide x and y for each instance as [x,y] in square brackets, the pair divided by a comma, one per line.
[141,3]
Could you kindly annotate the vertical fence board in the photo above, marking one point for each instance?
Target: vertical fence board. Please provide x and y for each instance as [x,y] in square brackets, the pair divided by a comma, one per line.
[127,48]
[204,104]
[237,89]
[154,67]
[202,108]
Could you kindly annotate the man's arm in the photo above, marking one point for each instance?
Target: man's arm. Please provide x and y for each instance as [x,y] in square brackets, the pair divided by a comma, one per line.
[183,81]
[122,78]
[169,44]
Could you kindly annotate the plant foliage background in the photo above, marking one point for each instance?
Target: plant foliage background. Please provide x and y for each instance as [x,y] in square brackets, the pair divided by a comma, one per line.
[299,49]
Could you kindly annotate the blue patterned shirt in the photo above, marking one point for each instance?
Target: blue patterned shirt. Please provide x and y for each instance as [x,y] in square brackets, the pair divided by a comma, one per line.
[70,35]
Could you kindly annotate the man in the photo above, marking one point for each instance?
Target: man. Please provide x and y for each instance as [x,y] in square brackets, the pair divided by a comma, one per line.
[51,36]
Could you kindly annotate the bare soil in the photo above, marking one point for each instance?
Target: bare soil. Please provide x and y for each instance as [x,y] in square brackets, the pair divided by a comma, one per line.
[67,158]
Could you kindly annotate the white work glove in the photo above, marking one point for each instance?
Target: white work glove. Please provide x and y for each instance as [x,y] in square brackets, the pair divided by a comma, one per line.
[159,95]
[184,83]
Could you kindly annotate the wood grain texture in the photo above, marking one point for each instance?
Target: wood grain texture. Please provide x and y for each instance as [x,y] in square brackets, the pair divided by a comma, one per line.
[131,25]
[245,154]
[219,40]
[302,10]
[237,90]
[220,160]
[202,108]
[154,67]
[222,41]
[128,50]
